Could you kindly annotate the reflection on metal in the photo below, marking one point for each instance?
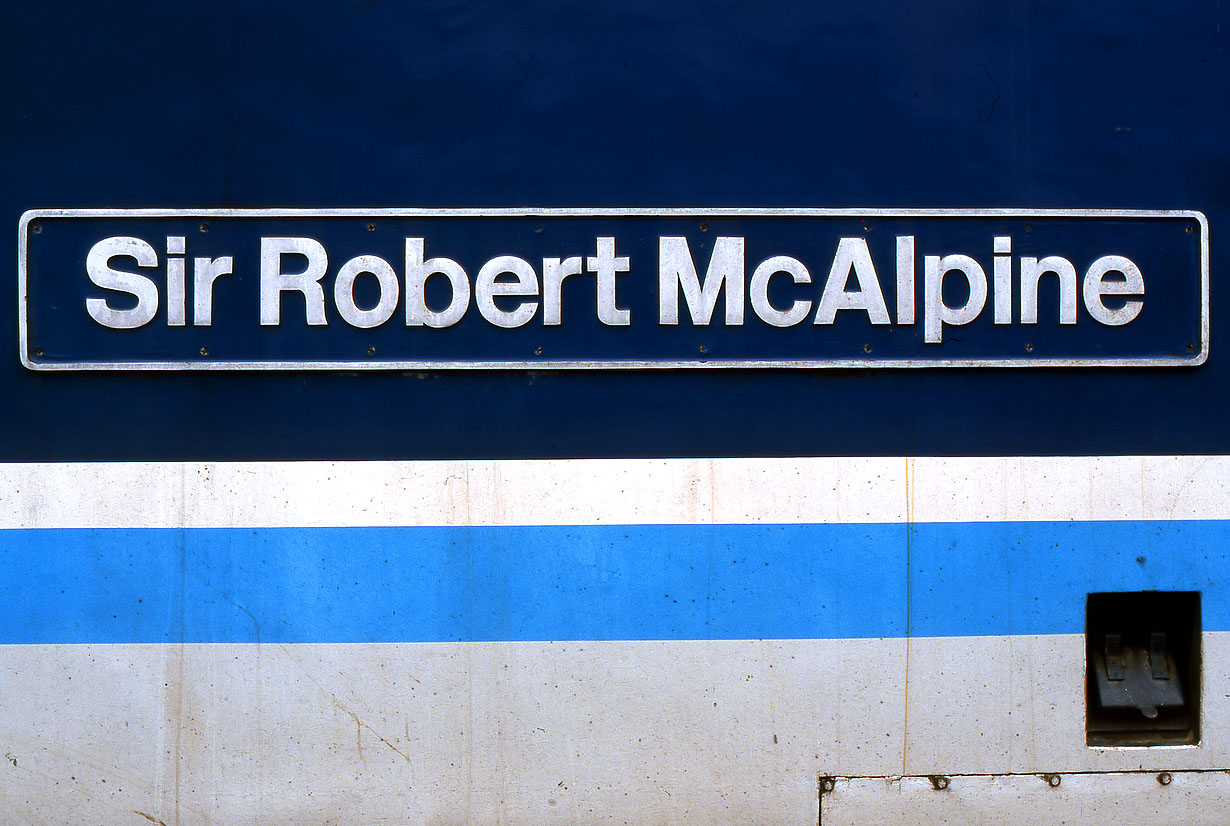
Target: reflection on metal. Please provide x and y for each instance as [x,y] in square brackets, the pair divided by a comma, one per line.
[1132,677]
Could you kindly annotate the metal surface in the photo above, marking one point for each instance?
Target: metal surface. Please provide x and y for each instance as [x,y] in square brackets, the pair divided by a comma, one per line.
[480,106]
[199,570]
[1177,293]
[255,706]
[1128,678]
[1073,799]
[240,646]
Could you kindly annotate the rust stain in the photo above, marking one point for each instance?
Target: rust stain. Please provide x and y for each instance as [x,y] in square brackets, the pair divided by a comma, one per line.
[711,469]
[150,818]
[360,724]
[340,706]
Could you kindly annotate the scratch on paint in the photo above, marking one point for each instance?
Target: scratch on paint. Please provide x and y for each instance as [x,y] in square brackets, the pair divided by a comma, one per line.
[340,706]
[359,722]
[991,113]
[150,818]
[1178,495]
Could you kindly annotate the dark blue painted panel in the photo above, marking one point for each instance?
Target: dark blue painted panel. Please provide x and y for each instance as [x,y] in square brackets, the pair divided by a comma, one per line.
[359,103]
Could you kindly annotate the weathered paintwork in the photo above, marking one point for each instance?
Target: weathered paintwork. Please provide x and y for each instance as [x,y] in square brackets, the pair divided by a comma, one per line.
[198,624]
[707,638]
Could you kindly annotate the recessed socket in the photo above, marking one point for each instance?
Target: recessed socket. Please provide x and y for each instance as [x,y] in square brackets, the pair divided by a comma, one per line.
[1142,668]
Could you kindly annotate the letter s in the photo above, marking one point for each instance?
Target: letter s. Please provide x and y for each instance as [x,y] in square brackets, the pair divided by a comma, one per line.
[101,275]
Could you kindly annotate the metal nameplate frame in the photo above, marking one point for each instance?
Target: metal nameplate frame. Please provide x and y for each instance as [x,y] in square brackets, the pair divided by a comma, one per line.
[1196,354]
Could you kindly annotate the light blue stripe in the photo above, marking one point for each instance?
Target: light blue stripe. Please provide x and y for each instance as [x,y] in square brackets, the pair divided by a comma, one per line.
[644,582]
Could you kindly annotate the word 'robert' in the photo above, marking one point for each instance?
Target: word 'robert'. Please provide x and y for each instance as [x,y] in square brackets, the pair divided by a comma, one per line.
[515,283]
[491,283]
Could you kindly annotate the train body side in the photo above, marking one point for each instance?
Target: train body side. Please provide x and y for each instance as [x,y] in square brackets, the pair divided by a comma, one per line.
[517,641]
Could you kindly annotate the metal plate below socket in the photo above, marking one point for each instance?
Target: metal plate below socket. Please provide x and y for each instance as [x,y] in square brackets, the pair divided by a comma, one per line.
[1139,798]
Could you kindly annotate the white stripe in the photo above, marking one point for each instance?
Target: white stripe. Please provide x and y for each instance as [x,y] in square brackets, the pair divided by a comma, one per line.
[544,733]
[1058,488]
[593,492]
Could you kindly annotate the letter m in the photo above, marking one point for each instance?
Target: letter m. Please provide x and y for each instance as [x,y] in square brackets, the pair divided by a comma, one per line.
[677,271]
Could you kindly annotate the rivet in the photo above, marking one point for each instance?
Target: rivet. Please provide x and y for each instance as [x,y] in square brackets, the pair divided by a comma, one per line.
[204,351]
[827,784]
[1052,780]
[1164,778]
[36,228]
[704,226]
[371,227]
[371,350]
[204,227]
[939,781]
